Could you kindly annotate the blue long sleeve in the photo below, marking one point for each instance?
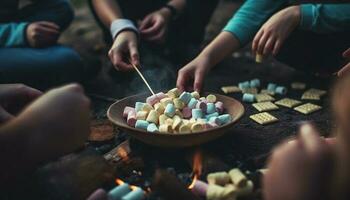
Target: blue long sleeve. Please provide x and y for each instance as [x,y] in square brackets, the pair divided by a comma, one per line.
[325,18]
[250,17]
[13,34]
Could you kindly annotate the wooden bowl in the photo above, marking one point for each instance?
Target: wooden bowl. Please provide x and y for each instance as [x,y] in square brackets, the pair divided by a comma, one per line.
[115,114]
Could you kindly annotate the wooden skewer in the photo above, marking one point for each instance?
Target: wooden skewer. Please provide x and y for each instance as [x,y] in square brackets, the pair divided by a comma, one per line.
[143,78]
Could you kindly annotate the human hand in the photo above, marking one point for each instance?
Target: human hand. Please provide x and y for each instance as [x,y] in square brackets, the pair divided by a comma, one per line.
[346,68]
[154,26]
[300,169]
[57,122]
[124,50]
[42,34]
[191,76]
[13,98]
[274,32]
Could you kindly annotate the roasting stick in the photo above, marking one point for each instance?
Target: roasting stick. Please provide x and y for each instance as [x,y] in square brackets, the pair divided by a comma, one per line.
[143,78]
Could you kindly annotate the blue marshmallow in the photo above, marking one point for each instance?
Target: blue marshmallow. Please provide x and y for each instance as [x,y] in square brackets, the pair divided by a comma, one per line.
[211,108]
[215,114]
[193,102]
[224,119]
[281,90]
[244,85]
[141,124]
[170,110]
[248,97]
[255,83]
[185,97]
[271,87]
[152,128]
[197,113]
[138,106]
[215,120]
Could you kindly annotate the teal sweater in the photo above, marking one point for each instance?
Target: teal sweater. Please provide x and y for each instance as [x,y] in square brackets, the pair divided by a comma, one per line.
[319,18]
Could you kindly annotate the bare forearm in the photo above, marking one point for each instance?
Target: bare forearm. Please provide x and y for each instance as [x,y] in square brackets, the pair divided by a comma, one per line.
[179,5]
[107,10]
[223,45]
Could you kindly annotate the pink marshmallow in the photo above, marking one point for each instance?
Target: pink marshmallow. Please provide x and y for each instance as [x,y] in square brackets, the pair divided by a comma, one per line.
[200,188]
[187,112]
[161,95]
[99,194]
[127,109]
[213,124]
[219,107]
[202,106]
[207,126]
[151,100]
[131,121]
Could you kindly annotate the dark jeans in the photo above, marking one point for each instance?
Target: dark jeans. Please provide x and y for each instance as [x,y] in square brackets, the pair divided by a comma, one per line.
[188,28]
[42,67]
[313,52]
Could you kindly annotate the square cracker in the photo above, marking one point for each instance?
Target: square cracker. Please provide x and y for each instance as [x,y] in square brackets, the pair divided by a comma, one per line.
[287,102]
[316,91]
[265,91]
[310,96]
[263,97]
[265,106]
[308,108]
[230,89]
[298,86]
[250,91]
[263,118]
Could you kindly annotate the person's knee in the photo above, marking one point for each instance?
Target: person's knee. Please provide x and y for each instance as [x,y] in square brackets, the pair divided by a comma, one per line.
[69,63]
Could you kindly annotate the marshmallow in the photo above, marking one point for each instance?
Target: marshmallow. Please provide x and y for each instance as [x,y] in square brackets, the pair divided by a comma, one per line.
[147,107]
[187,112]
[255,83]
[196,127]
[244,85]
[153,117]
[246,190]
[192,103]
[202,121]
[185,97]
[151,100]
[127,109]
[159,108]
[203,99]
[131,120]
[211,98]
[161,96]
[185,128]
[138,106]
[200,188]
[211,108]
[169,121]
[177,122]
[202,106]
[165,128]
[259,58]
[162,119]
[166,101]
[248,98]
[224,119]
[169,110]
[219,107]
[281,90]
[271,87]
[141,124]
[237,177]
[141,115]
[173,93]
[215,114]
[179,113]
[197,113]
[178,103]
[152,128]
[215,120]
[213,125]
[218,178]
[207,126]
[215,192]
[195,95]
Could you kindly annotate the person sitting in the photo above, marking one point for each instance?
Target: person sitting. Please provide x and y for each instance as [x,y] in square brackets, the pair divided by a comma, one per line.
[306,36]
[29,52]
[37,127]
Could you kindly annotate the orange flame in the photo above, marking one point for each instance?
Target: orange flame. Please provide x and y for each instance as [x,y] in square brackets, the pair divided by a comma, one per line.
[197,167]
[119,181]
